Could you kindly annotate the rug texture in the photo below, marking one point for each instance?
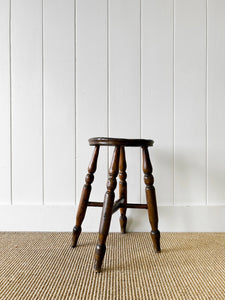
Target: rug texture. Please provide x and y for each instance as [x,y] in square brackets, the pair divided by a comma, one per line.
[44,266]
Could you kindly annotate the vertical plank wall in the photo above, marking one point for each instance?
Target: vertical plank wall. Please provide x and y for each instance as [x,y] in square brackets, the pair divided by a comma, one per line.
[26,62]
[73,69]
[124,83]
[5,104]
[157,92]
[91,95]
[58,102]
[216,102]
[190,102]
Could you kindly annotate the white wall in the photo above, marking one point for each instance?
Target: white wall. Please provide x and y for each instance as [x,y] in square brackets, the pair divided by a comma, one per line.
[70,70]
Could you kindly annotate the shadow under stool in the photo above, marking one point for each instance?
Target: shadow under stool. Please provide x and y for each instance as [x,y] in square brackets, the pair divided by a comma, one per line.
[118,165]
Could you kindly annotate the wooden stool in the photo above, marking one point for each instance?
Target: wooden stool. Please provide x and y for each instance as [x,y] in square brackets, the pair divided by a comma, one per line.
[118,165]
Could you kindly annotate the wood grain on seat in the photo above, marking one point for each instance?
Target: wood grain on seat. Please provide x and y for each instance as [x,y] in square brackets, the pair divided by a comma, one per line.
[104,141]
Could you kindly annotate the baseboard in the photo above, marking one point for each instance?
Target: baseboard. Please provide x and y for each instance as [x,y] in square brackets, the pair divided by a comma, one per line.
[62,218]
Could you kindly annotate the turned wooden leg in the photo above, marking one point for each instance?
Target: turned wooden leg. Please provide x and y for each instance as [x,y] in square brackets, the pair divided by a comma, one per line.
[123,189]
[107,210]
[151,199]
[85,196]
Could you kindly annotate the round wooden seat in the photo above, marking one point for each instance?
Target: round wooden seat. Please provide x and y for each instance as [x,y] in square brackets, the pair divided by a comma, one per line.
[104,141]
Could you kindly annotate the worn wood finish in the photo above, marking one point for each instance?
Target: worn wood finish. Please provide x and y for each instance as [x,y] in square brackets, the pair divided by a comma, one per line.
[137,205]
[118,204]
[107,209]
[104,141]
[127,205]
[118,165]
[151,199]
[123,189]
[85,196]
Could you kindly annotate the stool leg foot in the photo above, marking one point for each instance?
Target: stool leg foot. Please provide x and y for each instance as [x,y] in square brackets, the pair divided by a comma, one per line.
[151,199]
[156,240]
[107,210]
[123,189]
[123,223]
[103,230]
[76,233]
[85,197]
[99,255]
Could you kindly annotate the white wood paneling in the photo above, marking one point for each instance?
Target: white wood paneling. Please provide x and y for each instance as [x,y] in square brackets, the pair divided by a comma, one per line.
[91,91]
[59,101]
[5,180]
[124,83]
[216,102]
[190,101]
[157,92]
[73,69]
[26,101]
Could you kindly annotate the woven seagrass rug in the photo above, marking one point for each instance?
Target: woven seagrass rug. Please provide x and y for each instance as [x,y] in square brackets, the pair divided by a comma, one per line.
[44,266]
